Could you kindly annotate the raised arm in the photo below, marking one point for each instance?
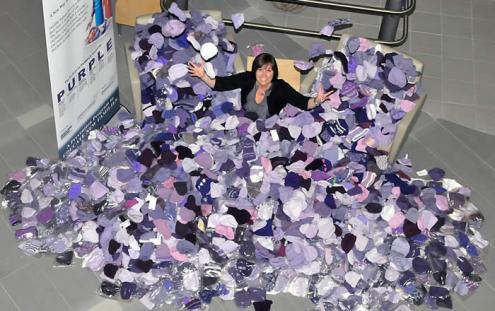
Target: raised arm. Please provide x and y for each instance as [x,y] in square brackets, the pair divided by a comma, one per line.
[199,71]
[226,83]
[320,97]
[303,102]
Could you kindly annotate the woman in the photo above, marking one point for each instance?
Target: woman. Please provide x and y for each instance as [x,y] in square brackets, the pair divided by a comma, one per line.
[261,90]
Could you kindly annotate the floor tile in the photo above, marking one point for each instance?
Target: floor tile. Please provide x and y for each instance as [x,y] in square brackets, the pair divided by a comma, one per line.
[44,134]
[102,304]
[483,9]
[5,301]
[488,256]
[480,143]
[13,128]
[461,114]
[457,47]
[31,290]
[7,6]
[302,22]
[13,259]
[458,303]
[458,92]
[4,170]
[366,19]
[34,69]
[458,69]
[17,146]
[423,120]
[425,43]
[483,29]
[251,13]
[17,95]
[420,156]
[327,15]
[29,16]
[35,116]
[4,113]
[483,50]
[433,107]
[5,61]
[272,18]
[485,120]
[456,7]
[75,284]
[488,210]
[482,299]
[426,22]
[228,6]
[463,161]
[305,11]
[433,87]
[457,26]
[367,31]
[282,302]
[484,94]
[270,7]
[429,6]
[249,37]
[274,7]
[16,44]
[485,72]
[491,161]
[432,64]
[281,45]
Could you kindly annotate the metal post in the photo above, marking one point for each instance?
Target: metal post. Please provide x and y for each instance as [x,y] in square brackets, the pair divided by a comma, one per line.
[388,28]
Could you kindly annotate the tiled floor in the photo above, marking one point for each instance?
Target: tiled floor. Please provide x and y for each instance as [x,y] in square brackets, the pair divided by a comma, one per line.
[454,38]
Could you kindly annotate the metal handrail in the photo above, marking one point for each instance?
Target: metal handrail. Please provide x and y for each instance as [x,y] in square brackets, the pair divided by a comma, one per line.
[312,33]
[356,7]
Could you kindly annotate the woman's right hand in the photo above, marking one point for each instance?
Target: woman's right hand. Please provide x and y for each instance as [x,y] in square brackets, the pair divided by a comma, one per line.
[196,70]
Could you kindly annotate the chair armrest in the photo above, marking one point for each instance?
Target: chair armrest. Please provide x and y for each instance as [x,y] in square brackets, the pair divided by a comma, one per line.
[135,83]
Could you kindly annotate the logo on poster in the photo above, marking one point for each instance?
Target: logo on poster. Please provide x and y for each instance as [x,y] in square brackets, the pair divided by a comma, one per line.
[88,67]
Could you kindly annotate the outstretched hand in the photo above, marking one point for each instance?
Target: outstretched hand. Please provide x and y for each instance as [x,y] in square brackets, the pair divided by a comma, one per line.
[196,70]
[321,96]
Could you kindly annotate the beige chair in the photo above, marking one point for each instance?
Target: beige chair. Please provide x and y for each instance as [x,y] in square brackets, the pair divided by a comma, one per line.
[134,75]
[126,11]
[292,76]
[406,123]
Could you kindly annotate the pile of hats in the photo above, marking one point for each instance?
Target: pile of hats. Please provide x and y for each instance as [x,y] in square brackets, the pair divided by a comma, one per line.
[163,48]
[199,201]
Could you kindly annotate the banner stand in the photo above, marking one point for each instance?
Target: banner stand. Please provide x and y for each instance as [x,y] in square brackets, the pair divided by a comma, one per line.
[83,68]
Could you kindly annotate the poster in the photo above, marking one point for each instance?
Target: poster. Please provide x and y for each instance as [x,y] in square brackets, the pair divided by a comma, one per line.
[82,65]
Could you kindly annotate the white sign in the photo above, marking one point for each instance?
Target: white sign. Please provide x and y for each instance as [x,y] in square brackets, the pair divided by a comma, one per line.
[83,68]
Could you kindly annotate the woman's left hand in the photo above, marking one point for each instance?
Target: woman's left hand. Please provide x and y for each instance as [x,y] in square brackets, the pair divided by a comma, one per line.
[321,96]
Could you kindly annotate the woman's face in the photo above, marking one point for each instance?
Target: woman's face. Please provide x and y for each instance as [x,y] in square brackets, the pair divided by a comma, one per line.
[264,75]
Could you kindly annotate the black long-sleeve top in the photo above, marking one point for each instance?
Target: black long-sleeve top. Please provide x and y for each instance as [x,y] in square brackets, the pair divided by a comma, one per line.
[282,93]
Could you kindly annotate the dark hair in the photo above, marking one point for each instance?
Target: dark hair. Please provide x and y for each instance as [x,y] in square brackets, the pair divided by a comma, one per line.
[263,59]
